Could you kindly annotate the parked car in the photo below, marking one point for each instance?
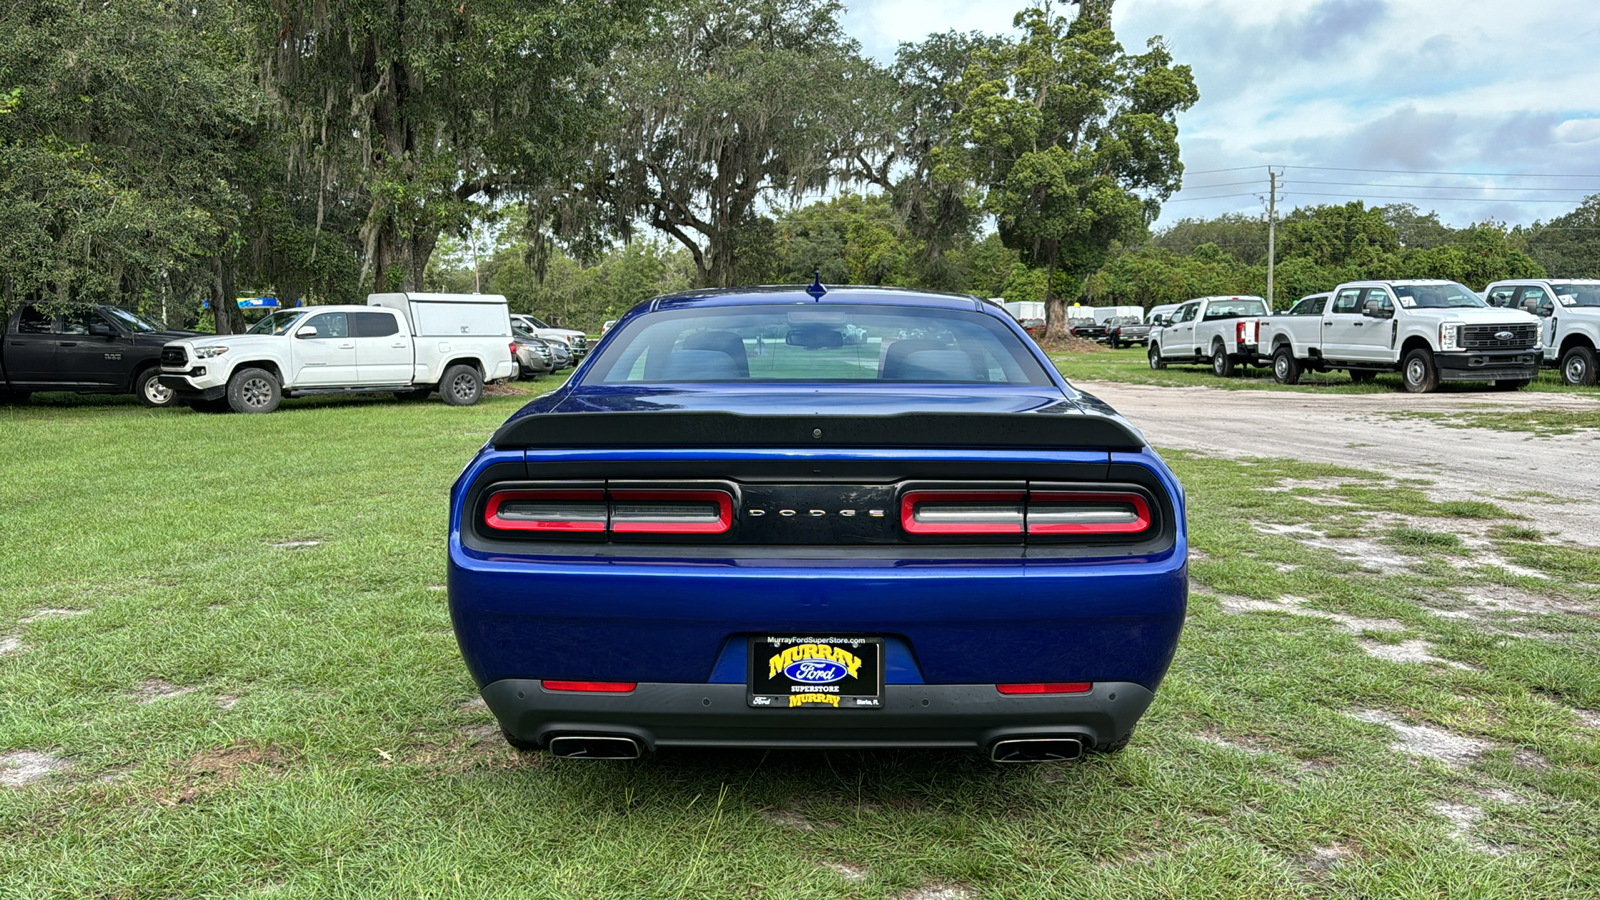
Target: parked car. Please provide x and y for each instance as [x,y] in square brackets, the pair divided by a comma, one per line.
[409,344]
[1086,328]
[534,356]
[841,544]
[1219,329]
[577,342]
[88,350]
[1126,330]
[561,352]
[606,326]
[1429,331]
[1570,308]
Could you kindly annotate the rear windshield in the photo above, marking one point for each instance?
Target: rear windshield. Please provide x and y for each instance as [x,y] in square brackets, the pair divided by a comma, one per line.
[1437,296]
[1235,308]
[811,343]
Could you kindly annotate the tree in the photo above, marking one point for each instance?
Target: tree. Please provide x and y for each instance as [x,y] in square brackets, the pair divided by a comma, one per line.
[1569,246]
[726,106]
[1245,237]
[1338,235]
[427,111]
[1075,140]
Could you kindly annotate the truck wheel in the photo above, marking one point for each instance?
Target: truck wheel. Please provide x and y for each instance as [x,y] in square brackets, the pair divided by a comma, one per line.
[1285,368]
[1419,372]
[1221,363]
[1577,367]
[151,392]
[254,391]
[461,386]
[1155,358]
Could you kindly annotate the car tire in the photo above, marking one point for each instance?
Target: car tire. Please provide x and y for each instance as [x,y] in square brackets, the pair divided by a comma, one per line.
[1116,746]
[254,391]
[418,394]
[1156,362]
[1116,344]
[151,392]
[1418,372]
[1578,367]
[461,386]
[1285,368]
[1509,384]
[1221,363]
[1362,376]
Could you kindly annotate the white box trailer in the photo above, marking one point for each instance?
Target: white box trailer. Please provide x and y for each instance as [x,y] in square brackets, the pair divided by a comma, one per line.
[1102,313]
[1025,309]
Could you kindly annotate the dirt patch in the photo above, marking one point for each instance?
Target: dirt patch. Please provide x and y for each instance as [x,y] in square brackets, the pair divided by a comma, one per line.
[296,545]
[940,892]
[1071,345]
[1365,554]
[25,767]
[788,818]
[1323,859]
[227,701]
[1319,485]
[851,874]
[1424,740]
[1217,740]
[475,705]
[1590,718]
[1296,606]
[43,614]
[155,689]
[1413,651]
[212,770]
[9,646]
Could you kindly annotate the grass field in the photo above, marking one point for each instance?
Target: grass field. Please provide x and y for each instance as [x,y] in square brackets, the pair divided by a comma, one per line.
[1130,365]
[227,670]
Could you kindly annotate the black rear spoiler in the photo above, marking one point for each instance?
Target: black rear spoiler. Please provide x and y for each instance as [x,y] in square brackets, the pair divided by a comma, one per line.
[1049,431]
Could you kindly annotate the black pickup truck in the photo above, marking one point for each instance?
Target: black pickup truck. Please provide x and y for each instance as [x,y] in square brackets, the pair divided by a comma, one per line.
[91,350]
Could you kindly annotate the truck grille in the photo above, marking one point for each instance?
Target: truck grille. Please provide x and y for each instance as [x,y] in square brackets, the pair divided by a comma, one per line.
[174,357]
[1483,337]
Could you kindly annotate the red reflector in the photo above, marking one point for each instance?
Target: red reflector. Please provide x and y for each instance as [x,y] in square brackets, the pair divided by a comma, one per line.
[1050,687]
[564,511]
[1086,512]
[671,512]
[961,512]
[592,687]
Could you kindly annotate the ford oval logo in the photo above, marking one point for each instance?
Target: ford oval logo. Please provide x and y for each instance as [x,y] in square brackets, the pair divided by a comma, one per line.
[815,671]
[1503,335]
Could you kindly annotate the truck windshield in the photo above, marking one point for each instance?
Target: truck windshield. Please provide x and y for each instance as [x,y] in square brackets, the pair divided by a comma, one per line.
[131,320]
[537,322]
[782,343]
[1437,296]
[1236,308]
[1577,294]
[277,323]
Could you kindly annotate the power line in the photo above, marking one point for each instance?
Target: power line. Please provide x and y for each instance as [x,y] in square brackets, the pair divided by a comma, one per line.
[1217,197]
[1215,171]
[1433,187]
[1570,202]
[1427,172]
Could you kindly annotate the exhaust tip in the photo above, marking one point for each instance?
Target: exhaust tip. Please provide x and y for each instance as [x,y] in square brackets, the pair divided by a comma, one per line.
[1036,750]
[595,746]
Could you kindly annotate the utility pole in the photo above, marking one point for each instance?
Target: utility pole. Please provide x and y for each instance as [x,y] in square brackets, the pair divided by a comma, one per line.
[1272,230]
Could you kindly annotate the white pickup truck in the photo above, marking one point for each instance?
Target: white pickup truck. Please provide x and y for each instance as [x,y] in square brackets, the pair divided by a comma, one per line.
[1428,331]
[409,343]
[1571,310]
[1219,329]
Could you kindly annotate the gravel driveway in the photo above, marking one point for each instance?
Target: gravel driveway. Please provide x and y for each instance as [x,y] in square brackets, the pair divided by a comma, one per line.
[1349,429]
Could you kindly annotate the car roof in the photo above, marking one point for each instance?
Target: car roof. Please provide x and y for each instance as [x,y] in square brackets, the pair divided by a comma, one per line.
[772,295]
[1544,280]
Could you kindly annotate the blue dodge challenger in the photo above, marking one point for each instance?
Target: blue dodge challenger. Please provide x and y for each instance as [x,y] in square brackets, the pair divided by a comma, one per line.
[861,517]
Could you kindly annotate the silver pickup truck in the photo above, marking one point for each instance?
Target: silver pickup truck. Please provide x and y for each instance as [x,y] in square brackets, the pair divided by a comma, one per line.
[1428,331]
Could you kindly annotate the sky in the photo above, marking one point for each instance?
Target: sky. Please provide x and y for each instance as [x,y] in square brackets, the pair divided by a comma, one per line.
[1478,110]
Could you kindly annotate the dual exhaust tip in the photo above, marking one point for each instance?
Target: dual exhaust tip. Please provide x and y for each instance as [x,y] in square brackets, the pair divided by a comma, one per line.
[1009,750]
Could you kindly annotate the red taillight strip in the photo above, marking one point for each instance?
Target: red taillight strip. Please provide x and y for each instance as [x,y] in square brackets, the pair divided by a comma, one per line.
[492,517]
[908,512]
[1141,513]
[723,522]
[591,687]
[1049,687]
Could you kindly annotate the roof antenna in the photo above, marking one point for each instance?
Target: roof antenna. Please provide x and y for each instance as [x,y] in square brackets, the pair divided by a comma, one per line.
[816,290]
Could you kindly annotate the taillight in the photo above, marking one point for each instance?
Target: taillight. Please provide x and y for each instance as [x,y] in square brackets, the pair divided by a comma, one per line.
[1050,687]
[671,512]
[961,512]
[557,511]
[1087,513]
[591,687]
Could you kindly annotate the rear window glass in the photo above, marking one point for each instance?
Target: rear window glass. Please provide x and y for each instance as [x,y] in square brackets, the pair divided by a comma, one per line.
[816,343]
[1235,308]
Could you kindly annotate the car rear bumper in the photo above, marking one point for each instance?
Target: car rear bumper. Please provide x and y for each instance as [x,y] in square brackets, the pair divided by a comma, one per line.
[912,715]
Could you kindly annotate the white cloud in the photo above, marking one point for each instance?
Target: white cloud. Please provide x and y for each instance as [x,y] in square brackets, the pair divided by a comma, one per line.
[1439,85]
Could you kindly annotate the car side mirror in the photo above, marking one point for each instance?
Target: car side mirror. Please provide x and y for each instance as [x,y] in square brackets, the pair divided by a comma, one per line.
[1374,309]
[306,331]
[101,329]
[1545,311]
[1531,304]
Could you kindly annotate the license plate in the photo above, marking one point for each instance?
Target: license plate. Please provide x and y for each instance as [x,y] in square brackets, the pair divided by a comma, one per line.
[789,672]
